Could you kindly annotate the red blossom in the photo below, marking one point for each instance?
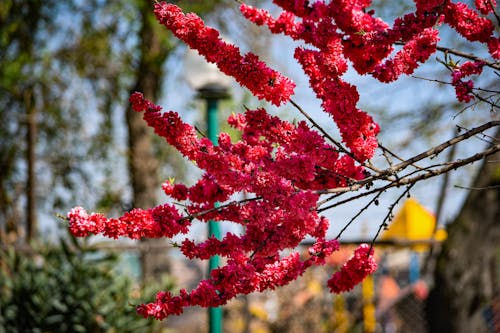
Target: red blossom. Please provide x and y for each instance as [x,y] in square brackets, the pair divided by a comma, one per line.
[463,89]
[161,221]
[248,70]
[176,191]
[468,23]
[354,270]
[275,161]
[285,23]
[138,102]
[322,249]
[494,47]
[419,49]
[485,6]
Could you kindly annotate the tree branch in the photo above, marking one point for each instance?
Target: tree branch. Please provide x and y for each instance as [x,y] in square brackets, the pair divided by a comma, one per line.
[406,181]
[494,65]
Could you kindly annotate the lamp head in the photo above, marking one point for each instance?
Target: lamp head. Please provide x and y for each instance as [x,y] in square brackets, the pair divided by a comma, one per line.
[205,77]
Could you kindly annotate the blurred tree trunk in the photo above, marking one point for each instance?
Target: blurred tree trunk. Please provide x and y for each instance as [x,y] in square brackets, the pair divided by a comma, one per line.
[19,118]
[465,278]
[143,166]
[31,182]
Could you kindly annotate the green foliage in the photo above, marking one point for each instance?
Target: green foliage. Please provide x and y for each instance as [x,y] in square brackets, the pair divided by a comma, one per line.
[67,288]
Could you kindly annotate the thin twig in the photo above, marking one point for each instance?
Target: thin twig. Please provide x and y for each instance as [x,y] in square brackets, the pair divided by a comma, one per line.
[200,132]
[437,149]
[374,199]
[330,198]
[232,203]
[470,56]
[386,154]
[396,156]
[393,170]
[484,135]
[477,188]
[449,83]
[315,124]
[389,216]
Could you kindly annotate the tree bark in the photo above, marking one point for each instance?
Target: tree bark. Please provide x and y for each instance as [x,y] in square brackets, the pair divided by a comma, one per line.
[465,278]
[143,166]
[18,98]
[31,130]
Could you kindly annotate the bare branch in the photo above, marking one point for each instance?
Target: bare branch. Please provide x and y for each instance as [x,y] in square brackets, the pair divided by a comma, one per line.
[449,83]
[470,56]
[389,215]
[437,149]
[434,151]
[478,188]
[406,181]
[396,156]
[373,200]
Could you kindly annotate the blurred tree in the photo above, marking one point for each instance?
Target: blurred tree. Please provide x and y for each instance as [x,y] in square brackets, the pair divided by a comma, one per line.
[58,140]
[466,274]
[43,140]
[143,165]
[19,91]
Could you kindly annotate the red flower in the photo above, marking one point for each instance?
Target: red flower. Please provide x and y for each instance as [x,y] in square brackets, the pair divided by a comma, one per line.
[463,88]
[354,270]
[248,70]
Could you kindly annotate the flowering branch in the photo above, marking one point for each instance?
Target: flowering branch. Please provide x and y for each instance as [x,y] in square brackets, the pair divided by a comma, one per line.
[284,168]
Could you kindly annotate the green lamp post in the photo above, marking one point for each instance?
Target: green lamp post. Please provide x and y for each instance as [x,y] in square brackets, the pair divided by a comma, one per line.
[212,86]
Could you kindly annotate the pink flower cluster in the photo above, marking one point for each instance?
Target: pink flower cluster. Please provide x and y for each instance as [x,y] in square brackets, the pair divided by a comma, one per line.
[415,51]
[485,6]
[277,164]
[342,30]
[463,89]
[468,23]
[160,221]
[354,270]
[240,276]
[248,70]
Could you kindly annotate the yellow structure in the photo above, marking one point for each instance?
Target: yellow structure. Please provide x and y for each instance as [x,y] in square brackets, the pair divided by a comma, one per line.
[414,223]
[341,316]
[369,319]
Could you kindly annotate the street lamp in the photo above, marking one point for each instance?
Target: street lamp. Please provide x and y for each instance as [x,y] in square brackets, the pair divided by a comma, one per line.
[212,86]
